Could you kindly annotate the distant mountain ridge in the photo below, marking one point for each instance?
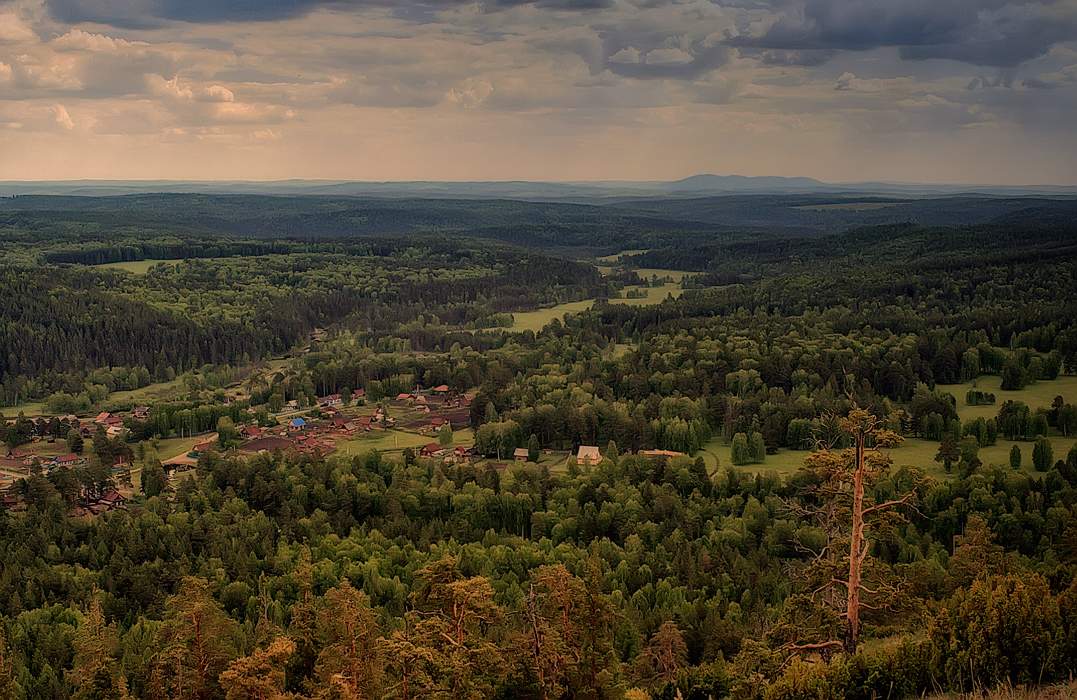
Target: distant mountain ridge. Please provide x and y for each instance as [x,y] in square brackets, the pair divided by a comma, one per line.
[694,186]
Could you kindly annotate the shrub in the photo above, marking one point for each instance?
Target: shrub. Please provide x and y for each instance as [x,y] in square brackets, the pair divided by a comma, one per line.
[1003,628]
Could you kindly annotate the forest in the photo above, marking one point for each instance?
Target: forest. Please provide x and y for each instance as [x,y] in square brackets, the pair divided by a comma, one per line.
[839,461]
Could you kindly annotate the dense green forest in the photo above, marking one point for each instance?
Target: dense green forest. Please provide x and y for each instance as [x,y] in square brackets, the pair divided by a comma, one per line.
[865,571]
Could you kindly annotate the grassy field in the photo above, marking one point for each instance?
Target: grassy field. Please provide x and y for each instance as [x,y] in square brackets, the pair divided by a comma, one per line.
[31,409]
[174,447]
[396,440]
[537,320]
[1037,395]
[135,267]
[148,393]
[616,257]
[913,452]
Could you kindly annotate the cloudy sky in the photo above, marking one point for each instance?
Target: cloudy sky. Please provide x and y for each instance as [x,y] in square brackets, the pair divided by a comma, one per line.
[978,91]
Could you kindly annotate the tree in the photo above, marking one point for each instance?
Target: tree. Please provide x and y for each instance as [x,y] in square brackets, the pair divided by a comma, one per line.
[839,501]
[551,638]
[757,448]
[1042,454]
[95,672]
[350,659]
[975,553]
[533,450]
[454,620]
[198,640]
[445,435]
[948,453]
[1003,628]
[612,453]
[1015,457]
[739,452]
[7,671]
[259,676]
[1014,375]
[664,656]
[75,442]
[153,478]
[227,434]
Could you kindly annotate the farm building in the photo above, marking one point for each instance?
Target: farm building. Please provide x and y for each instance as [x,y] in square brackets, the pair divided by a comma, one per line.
[331,400]
[432,449]
[520,454]
[588,454]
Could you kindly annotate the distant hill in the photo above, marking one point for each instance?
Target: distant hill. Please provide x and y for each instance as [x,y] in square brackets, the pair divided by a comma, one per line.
[694,186]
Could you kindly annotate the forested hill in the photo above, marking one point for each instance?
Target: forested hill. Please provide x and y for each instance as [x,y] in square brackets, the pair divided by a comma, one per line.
[607,225]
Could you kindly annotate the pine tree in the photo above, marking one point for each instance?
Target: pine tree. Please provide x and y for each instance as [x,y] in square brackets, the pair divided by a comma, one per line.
[1015,457]
[533,450]
[841,504]
[350,658]
[95,673]
[259,676]
[664,656]
[198,640]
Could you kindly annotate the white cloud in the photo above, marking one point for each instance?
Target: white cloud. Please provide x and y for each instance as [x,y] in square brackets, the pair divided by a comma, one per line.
[668,57]
[627,55]
[471,93]
[62,118]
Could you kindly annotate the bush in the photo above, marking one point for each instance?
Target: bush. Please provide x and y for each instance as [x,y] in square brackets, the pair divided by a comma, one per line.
[1003,628]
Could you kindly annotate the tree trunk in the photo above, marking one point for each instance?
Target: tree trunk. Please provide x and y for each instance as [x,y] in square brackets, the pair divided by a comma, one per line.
[852,608]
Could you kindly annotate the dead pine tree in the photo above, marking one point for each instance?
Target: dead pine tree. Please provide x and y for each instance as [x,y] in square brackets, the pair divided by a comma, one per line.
[842,576]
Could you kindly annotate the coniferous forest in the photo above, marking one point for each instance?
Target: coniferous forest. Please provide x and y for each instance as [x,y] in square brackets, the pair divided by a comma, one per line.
[303,447]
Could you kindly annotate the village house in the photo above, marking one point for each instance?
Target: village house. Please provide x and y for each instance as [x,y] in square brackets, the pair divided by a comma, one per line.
[441,389]
[432,449]
[141,412]
[297,424]
[520,454]
[331,401]
[251,431]
[588,454]
[460,455]
[102,418]
[358,394]
[69,460]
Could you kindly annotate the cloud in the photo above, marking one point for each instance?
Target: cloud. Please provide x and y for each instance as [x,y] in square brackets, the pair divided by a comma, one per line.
[148,13]
[62,118]
[13,29]
[471,93]
[981,32]
[629,54]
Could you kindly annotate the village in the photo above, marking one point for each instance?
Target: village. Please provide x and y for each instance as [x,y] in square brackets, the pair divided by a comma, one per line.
[431,424]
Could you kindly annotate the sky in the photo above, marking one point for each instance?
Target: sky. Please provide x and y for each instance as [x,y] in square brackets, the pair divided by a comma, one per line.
[842,90]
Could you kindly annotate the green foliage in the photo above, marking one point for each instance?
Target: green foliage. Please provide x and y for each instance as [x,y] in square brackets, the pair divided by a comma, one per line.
[1042,455]
[1003,628]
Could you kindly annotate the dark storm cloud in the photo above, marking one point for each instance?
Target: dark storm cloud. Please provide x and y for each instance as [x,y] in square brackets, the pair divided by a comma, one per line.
[981,32]
[146,13]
